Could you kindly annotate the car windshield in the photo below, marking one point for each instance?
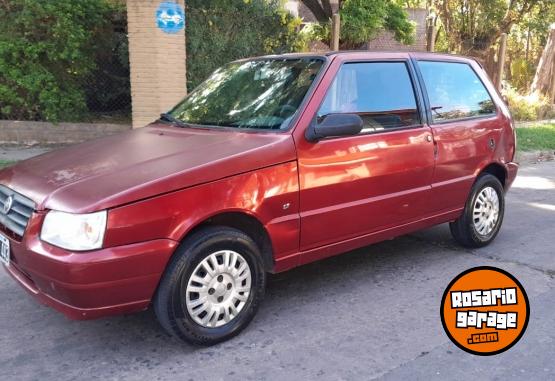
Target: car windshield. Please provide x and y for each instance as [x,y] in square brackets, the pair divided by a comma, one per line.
[262,94]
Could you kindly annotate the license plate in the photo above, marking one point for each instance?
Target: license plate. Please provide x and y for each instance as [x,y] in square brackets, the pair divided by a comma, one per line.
[4,250]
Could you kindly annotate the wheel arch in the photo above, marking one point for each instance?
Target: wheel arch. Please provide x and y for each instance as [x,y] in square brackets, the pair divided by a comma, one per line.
[497,170]
[246,223]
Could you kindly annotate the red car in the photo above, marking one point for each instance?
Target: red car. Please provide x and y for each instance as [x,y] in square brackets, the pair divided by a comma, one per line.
[271,163]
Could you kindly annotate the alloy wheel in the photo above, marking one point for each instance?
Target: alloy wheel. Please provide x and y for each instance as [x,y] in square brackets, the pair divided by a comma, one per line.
[486,211]
[218,288]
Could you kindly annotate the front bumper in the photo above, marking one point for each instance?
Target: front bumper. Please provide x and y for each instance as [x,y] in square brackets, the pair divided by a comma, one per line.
[92,284]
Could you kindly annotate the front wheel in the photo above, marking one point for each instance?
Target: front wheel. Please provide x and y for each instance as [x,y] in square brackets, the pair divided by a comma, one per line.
[483,214]
[212,288]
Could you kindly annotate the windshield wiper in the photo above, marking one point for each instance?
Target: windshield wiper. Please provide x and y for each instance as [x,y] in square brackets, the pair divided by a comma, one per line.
[173,119]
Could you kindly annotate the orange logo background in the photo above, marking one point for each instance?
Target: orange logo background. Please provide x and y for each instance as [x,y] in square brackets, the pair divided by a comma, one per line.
[485,340]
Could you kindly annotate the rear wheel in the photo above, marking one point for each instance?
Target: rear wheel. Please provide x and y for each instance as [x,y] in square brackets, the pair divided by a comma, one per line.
[483,214]
[212,288]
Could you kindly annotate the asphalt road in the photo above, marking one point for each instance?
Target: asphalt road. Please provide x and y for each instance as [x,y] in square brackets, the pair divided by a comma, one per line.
[369,314]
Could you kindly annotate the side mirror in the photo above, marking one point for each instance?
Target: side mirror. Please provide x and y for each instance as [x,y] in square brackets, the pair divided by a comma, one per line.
[334,125]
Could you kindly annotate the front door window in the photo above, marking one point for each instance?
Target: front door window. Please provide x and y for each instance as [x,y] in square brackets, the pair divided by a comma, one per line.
[381,93]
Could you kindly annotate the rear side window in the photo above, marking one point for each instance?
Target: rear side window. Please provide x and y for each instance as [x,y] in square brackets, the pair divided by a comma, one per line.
[455,91]
[381,93]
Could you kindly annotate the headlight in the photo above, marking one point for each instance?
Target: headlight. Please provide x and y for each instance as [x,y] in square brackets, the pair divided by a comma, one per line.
[79,232]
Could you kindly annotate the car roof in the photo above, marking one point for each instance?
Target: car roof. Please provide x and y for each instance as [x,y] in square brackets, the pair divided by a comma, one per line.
[387,52]
[372,54]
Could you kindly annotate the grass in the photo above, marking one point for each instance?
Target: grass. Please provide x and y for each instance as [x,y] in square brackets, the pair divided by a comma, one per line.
[4,163]
[536,138]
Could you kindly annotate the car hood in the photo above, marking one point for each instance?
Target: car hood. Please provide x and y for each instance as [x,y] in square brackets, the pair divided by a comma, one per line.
[142,163]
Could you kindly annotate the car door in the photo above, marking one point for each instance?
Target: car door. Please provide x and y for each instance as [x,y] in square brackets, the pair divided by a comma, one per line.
[378,179]
[465,125]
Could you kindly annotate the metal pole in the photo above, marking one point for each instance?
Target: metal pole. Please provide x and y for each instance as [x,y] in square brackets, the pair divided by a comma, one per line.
[185,40]
[430,46]
[501,60]
[335,31]
[552,95]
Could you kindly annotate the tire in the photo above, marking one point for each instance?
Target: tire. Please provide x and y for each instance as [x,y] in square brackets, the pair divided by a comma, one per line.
[177,302]
[468,230]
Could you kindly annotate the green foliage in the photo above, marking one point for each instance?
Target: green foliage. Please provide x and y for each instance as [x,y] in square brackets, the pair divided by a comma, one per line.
[442,42]
[362,20]
[314,32]
[521,73]
[474,26]
[220,31]
[524,107]
[47,51]
[397,21]
[525,45]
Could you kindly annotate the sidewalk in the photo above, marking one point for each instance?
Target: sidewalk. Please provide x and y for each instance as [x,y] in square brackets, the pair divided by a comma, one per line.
[19,153]
[521,124]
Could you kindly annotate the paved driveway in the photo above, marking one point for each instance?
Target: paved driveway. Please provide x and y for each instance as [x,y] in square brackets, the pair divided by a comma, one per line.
[372,313]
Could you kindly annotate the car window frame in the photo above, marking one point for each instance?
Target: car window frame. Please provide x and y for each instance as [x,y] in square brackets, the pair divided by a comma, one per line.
[428,107]
[416,89]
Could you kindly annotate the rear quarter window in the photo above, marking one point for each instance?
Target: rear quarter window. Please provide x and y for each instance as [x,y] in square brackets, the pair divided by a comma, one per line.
[455,91]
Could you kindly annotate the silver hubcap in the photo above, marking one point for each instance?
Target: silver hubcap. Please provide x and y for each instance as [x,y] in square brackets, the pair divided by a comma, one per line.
[218,288]
[486,211]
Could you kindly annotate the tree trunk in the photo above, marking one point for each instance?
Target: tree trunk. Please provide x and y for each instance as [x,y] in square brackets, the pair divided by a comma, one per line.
[545,73]
[321,10]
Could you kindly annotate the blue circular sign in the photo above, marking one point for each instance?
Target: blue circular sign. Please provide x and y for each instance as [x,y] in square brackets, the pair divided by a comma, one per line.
[170,17]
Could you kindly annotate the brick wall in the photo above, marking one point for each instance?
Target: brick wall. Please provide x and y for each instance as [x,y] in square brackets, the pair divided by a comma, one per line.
[157,62]
[44,133]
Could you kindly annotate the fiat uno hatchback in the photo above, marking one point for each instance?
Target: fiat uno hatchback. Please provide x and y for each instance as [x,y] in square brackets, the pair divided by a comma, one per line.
[271,163]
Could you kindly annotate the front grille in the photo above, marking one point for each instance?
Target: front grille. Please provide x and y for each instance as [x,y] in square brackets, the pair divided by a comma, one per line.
[18,215]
